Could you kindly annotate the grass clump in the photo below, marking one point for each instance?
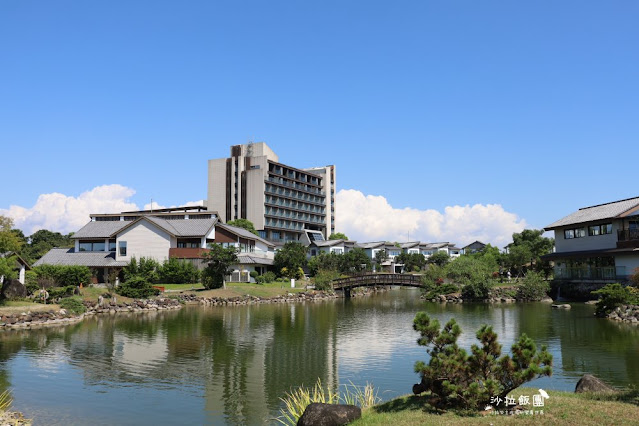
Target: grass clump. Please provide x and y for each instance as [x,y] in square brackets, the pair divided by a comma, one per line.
[73,304]
[296,401]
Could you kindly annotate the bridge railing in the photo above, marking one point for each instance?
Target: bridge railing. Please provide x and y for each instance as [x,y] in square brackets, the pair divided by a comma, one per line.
[378,279]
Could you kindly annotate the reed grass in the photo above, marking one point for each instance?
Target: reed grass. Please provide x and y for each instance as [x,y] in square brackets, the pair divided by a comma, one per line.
[296,401]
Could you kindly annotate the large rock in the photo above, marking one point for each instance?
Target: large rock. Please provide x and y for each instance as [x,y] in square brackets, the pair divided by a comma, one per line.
[317,414]
[589,383]
[13,289]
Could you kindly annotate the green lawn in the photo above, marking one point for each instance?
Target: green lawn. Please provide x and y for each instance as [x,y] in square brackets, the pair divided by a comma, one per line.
[564,408]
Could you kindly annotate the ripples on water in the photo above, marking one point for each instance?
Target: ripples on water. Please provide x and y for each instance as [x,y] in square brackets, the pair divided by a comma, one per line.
[231,365]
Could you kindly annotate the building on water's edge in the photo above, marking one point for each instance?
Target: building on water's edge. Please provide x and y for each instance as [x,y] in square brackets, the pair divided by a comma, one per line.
[597,243]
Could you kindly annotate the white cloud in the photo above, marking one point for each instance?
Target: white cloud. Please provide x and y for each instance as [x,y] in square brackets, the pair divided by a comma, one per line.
[372,218]
[64,213]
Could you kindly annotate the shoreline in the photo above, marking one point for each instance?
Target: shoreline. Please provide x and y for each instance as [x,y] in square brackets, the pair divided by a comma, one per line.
[41,319]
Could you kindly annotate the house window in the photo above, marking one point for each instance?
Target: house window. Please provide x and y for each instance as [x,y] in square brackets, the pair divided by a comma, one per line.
[338,250]
[122,246]
[600,229]
[92,246]
[111,245]
[574,233]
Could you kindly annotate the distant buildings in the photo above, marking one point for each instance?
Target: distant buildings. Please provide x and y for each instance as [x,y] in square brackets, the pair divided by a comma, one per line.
[597,243]
[110,241]
[282,201]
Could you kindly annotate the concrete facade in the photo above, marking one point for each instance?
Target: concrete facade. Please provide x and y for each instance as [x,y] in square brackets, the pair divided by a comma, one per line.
[281,201]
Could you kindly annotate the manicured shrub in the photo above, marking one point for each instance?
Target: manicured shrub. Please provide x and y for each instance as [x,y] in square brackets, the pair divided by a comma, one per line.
[533,287]
[267,277]
[137,288]
[470,382]
[323,279]
[73,305]
[477,290]
[56,292]
[178,271]
[613,295]
[63,275]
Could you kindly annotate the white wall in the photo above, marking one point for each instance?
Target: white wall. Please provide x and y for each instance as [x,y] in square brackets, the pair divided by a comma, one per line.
[586,243]
[629,261]
[144,240]
[217,187]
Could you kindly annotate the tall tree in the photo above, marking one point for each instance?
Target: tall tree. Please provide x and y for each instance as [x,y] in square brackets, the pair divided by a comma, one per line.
[527,248]
[355,260]
[243,223]
[219,261]
[292,257]
[439,258]
[9,239]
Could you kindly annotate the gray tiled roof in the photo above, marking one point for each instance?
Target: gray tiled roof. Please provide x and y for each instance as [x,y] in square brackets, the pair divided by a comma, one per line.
[409,244]
[247,259]
[371,245]
[599,212]
[328,243]
[100,229]
[66,256]
[184,227]
[244,233]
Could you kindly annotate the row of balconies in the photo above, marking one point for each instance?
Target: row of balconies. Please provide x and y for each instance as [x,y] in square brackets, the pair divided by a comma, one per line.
[295,216]
[295,206]
[303,177]
[293,196]
[300,186]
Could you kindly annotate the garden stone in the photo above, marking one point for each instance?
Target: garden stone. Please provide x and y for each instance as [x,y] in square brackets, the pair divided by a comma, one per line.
[12,289]
[590,383]
[317,414]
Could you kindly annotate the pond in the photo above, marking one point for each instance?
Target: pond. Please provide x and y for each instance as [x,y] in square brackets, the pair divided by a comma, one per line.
[231,365]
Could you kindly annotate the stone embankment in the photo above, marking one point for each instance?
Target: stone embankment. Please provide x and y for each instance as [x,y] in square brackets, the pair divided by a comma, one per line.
[251,300]
[62,317]
[625,313]
[497,295]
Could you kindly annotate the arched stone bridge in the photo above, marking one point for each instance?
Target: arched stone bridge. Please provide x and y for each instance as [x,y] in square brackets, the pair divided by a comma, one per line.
[372,280]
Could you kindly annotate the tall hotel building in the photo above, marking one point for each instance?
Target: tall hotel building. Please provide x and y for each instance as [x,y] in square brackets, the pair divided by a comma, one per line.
[281,201]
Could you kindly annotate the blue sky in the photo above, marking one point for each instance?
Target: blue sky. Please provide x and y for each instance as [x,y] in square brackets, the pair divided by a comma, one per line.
[531,106]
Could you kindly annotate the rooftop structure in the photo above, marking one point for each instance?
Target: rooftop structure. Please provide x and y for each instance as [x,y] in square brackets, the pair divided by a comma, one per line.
[282,201]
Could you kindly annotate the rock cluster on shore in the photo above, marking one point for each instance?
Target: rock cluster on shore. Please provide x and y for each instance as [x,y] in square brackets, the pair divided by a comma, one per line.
[250,300]
[625,313]
[62,317]
[497,295]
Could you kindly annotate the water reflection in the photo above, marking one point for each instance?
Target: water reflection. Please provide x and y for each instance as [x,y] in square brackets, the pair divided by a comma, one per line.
[231,365]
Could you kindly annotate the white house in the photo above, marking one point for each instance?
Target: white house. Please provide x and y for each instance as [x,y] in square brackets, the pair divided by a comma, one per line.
[599,242]
[110,241]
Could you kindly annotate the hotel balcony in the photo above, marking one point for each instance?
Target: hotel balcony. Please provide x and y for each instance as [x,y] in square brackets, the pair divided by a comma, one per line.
[627,238]
[606,273]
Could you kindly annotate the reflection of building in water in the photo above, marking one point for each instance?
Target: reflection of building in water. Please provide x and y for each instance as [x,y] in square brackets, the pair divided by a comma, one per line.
[138,355]
[259,353]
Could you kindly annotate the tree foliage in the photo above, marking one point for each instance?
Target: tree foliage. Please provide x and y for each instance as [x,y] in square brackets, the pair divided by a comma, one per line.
[526,250]
[9,240]
[413,262]
[40,242]
[469,381]
[381,256]
[353,261]
[63,275]
[137,287]
[292,257]
[244,224]
[338,236]
[439,258]
[613,295]
[219,261]
[533,287]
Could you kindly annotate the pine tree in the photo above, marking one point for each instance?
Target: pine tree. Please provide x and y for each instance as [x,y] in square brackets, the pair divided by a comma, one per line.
[460,380]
